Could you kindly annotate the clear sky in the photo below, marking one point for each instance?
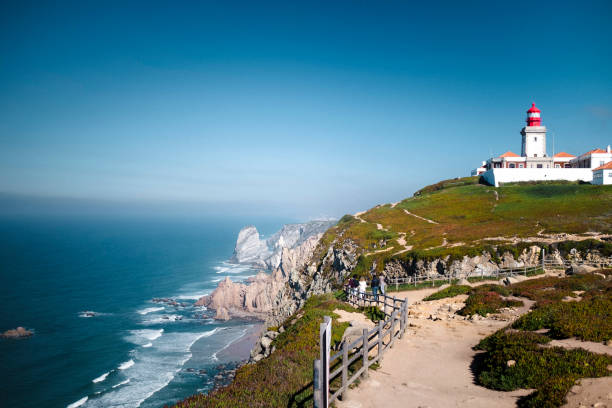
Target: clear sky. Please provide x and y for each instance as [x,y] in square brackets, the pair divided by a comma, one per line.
[301,108]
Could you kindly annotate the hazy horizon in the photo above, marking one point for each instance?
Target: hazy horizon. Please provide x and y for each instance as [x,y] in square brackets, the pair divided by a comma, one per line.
[301,109]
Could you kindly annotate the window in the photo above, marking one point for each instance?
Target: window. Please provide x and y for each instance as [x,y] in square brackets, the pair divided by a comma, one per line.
[539,166]
[601,163]
[512,165]
[520,165]
[535,139]
[557,166]
[535,155]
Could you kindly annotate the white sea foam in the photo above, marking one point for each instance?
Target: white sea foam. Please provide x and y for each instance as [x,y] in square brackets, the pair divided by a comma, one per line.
[150,310]
[100,378]
[145,335]
[164,319]
[214,355]
[147,345]
[121,383]
[192,296]
[154,368]
[78,403]
[232,269]
[126,365]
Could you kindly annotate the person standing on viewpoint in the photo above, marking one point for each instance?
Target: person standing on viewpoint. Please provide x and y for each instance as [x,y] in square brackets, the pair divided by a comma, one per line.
[375,286]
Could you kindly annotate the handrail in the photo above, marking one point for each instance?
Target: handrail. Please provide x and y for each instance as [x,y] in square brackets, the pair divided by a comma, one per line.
[380,338]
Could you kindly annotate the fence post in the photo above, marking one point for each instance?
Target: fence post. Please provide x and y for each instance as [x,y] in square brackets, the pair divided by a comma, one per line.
[392,339]
[324,344]
[344,369]
[364,350]
[402,323]
[316,393]
[543,259]
[380,341]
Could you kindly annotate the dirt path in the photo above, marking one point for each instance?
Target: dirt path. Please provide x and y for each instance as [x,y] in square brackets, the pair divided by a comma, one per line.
[421,218]
[430,366]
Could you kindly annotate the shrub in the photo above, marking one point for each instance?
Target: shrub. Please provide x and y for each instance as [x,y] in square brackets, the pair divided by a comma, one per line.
[485,302]
[550,370]
[589,319]
[451,291]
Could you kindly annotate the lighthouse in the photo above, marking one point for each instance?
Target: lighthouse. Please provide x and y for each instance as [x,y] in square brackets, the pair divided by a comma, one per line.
[534,135]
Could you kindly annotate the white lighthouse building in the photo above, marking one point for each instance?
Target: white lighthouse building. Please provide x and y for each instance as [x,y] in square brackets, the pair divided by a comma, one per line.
[534,135]
[534,164]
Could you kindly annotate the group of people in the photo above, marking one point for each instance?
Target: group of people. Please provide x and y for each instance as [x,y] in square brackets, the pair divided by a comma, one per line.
[377,284]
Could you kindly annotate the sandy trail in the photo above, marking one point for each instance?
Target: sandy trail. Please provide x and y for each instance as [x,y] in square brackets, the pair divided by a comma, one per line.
[430,366]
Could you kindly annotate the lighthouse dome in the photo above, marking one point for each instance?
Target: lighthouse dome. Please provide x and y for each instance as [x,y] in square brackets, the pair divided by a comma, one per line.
[533,109]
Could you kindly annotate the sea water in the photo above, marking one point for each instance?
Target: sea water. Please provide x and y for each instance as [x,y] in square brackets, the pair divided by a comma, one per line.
[86,287]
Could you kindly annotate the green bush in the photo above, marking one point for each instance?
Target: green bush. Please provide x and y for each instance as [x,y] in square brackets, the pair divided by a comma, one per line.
[485,302]
[550,370]
[451,291]
[589,319]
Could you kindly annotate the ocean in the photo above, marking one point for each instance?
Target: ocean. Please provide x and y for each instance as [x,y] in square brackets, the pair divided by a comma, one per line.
[86,287]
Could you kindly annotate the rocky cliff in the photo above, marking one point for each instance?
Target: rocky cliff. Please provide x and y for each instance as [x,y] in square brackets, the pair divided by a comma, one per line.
[268,296]
[251,249]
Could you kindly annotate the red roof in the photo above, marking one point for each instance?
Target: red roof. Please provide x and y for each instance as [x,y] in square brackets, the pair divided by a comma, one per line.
[509,154]
[533,108]
[563,154]
[607,166]
[596,151]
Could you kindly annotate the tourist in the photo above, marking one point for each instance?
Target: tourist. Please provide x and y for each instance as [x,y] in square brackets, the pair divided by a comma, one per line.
[375,285]
[383,284]
[362,287]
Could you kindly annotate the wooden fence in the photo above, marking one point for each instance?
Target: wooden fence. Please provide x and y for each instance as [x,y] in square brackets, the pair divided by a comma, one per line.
[452,277]
[556,263]
[331,367]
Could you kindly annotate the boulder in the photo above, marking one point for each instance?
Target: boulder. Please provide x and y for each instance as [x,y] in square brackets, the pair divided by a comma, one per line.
[222,314]
[579,269]
[19,332]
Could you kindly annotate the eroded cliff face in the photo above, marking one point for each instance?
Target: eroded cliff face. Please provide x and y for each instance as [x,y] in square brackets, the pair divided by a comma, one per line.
[268,296]
[252,250]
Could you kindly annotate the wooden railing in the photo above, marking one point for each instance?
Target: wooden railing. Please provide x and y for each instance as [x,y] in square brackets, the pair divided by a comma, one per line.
[452,277]
[331,367]
[557,263]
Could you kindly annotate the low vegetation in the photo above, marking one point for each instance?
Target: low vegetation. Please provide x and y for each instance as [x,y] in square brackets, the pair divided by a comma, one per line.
[448,220]
[516,360]
[451,291]
[284,379]
[482,300]
[517,357]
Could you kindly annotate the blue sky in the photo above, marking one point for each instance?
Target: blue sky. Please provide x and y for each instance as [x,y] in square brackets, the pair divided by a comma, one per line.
[304,109]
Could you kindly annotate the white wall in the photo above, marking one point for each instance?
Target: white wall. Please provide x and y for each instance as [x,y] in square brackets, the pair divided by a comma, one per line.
[496,176]
[603,176]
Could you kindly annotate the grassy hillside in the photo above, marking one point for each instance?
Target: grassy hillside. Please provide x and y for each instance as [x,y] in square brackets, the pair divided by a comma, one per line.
[454,216]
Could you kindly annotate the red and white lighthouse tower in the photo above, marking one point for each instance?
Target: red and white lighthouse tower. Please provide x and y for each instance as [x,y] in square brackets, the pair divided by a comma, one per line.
[534,135]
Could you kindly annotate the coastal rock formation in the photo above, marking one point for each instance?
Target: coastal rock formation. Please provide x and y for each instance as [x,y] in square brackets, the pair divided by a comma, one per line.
[19,332]
[268,296]
[251,249]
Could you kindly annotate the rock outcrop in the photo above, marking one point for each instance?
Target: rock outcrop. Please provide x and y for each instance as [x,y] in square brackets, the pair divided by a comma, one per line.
[269,296]
[18,333]
[251,249]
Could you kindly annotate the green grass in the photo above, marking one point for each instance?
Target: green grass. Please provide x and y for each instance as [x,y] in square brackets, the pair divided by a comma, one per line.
[284,379]
[420,285]
[551,371]
[451,291]
[465,212]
